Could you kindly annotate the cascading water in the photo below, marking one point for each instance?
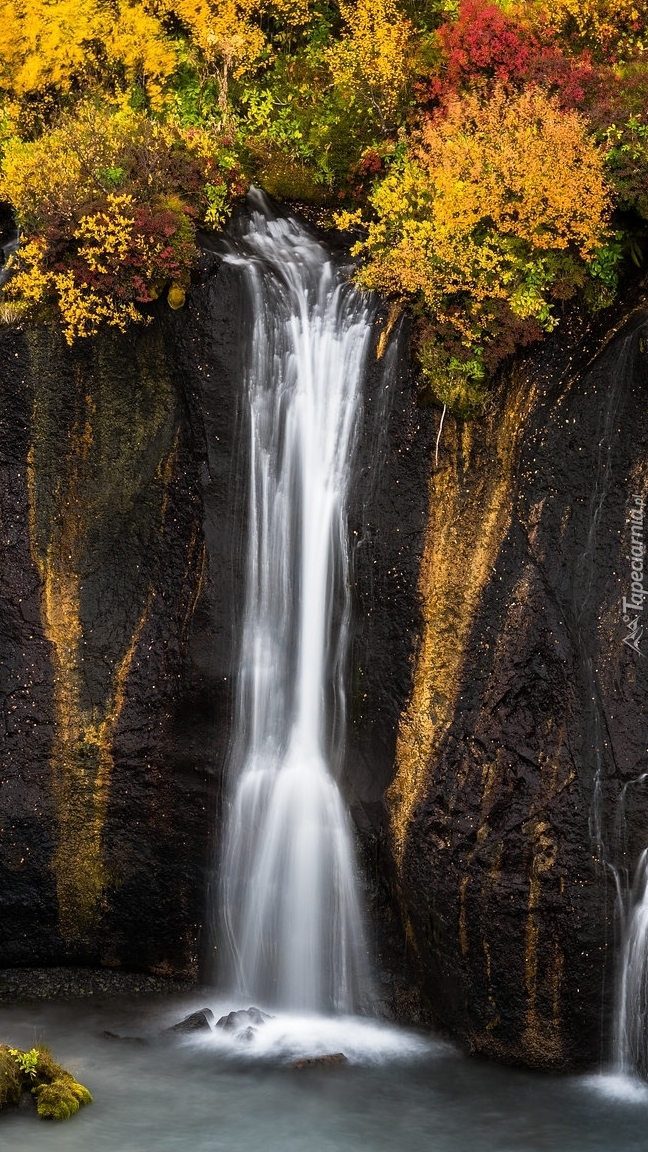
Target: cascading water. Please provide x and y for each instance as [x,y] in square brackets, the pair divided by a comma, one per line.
[631,1018]
[292,920]
[631,1032]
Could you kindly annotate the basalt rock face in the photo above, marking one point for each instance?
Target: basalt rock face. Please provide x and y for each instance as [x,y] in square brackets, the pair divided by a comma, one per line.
[104,822]
[529,708]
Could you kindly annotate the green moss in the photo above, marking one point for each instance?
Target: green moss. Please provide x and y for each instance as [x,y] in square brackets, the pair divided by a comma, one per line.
[58,1095]
[461,387]
[11,1079]
[60,1099]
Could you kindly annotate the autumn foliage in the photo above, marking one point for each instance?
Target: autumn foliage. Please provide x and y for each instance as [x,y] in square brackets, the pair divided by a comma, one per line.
[475,225]
[495,152]
[107,203]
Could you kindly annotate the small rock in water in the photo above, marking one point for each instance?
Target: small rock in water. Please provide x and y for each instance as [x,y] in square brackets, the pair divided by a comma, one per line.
[195,1022]
[106,1035]
[331,1060]
[240,1019]
[247,1034]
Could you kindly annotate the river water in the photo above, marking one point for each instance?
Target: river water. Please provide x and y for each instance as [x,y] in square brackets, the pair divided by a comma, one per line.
[400,1091]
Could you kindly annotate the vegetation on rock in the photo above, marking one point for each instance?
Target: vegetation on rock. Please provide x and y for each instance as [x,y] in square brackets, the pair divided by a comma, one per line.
[57,1094]
[473,222]
[495,153]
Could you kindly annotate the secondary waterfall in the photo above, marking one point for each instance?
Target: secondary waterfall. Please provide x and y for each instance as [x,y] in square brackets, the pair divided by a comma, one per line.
[292,919]
[631,1019]
[632,1008]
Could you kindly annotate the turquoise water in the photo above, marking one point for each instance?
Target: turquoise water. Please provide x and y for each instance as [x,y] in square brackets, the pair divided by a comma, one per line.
[214,1094]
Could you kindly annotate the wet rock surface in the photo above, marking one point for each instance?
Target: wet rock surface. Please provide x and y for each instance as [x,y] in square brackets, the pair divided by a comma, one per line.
[200,1021]
[123,502]
[245,1016]
[515,825]
[104,834]
[330,1060]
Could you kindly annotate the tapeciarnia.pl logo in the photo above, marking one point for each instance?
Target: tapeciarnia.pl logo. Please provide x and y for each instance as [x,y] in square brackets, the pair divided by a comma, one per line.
[633,605]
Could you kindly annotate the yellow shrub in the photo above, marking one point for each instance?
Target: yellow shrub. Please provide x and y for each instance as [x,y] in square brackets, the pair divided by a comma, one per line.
[611,26]
[60,43]
[497,210]
[371,62]
[485,175]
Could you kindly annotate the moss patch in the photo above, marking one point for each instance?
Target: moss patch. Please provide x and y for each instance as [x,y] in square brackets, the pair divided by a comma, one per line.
[58,1095]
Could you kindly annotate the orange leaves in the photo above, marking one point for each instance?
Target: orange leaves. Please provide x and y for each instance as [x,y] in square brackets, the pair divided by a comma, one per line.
[613,28]
[495,212]
[521,162]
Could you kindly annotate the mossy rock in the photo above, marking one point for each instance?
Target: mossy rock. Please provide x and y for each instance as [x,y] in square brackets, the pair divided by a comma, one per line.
[58,1095]
[60,1099]
[11,1079]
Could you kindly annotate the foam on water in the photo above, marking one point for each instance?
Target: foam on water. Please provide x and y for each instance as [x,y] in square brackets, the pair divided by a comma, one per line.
[288,1037]
[618,1086]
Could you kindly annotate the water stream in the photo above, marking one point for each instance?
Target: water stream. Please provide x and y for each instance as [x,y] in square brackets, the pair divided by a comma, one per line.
[414,1094]
[631,1024]
[291,913]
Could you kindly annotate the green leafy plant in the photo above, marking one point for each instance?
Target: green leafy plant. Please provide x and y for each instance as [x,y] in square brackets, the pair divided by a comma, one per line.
[26,1061]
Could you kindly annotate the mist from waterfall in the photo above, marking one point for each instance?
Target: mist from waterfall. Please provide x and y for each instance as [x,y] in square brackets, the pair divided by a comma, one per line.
[293,935]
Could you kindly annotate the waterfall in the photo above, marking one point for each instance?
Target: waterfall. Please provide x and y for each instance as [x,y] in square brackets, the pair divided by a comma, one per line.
[630,1053]
[631,1032]
[292,922]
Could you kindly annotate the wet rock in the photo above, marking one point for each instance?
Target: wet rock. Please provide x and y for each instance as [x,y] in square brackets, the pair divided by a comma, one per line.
[530,711]
[196,1022]
[242,1018]
[133,555]
[330,1060]
[107,1035]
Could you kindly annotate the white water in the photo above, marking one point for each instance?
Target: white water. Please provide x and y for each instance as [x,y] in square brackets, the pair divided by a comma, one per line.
[292,918]
[631,1031]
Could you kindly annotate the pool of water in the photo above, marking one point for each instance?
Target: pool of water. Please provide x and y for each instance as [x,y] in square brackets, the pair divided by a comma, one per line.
[399,1091]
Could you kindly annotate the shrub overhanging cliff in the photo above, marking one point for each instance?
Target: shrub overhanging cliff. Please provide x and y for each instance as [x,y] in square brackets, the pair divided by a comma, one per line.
[495,155]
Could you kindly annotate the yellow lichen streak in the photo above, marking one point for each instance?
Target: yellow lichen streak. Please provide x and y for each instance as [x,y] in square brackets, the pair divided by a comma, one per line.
[470,508]
[80,477]
[542,1039]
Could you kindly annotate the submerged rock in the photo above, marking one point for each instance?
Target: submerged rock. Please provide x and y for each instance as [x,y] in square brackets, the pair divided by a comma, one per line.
[330,1060]
[107,1035]
[242,1018]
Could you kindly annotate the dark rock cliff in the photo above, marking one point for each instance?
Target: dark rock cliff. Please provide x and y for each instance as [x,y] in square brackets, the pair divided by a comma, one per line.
[495,711]
[103,821]
[529,708]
